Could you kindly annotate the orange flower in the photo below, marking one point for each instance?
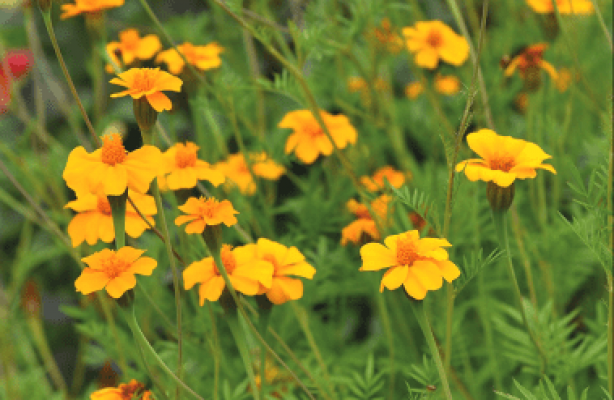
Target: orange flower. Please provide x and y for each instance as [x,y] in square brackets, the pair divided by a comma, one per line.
[111,168]
[132,47]
[94,220]
[387,37]
[447,84]
[364,228]
[113,271]
[148,82]
[245,273]
[88,6]
[564,6]
[376,182]
[147,396]
[417,264]
[434,40]
[530,61]
[504,159]
[414,89]
[184,169]
[286,262]
[202,57]
[125,391]
[235,169]
[202,212]
[308,140]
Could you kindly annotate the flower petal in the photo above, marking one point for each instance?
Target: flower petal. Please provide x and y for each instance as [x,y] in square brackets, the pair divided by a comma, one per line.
[211,290]
[90,281]
[375,257]
[159,101]
[284,289]
[394,278]
[118,286]
[428,274]
[448,269]
[199,271]
[413,287]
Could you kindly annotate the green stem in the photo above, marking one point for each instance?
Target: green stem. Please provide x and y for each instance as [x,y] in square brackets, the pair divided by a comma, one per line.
[420,313]
[45,352]
[118,212]
[71,85]
[381,305]
[232,319]
[611,334]
[146,347]
[608,37]
[500,220]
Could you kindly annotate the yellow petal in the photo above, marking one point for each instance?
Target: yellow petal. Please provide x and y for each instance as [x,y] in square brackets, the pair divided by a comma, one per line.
[159,101]
[211,290]
[428,274]
[143,266]
[427,58]
[120,284]
[394,278]
[284,289]
[448,269]
[375,257]
[413,287]
[91,281]
[199,271]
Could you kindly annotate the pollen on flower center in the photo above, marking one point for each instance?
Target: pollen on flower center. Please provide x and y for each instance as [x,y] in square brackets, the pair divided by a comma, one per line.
[114,266]
[113,151]
[434,39]
[103,205]
[313,130]
[502,164]
[406,252]
[185,158]
[208,209]
[145,80]
[228,259]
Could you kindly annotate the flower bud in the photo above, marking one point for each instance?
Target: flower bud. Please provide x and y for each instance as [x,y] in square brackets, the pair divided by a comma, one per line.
[500,198]
[31,299]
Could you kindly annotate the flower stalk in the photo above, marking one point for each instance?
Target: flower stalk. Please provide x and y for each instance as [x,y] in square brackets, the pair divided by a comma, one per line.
[118,212]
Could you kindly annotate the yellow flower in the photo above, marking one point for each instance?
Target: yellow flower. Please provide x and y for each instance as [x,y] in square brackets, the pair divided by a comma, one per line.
[529,62]
[184,169]
[88,6]
[111,168]
[447,84]
[132,47]
[202,212]
[113,271]
[414,89]
[202,57]
[387,37]
[364,228]
[376,182]
[417,264]
[235,169]
[125,391]
[564,6]
[245,273]
[308,141]
[434,40]
[286,262]
[148,82]
[94,220]
[504,159]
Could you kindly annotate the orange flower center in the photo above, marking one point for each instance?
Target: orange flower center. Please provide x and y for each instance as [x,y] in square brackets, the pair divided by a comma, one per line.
[103,205]
[313,130]
[434,39]
[228,259]
[185,157]
[113,151]
[145,80]
[208,208]
[114,266]
[406,251]
[502,163]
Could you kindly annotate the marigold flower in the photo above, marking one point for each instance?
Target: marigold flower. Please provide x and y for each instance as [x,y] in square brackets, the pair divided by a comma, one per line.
[111,168]
[504,159]
[113,271]
[125,391]
[245,273]
[202,212]
[447,84]
[287,262]
[376,182]
[529,62]
[148,82]
[564,6]
[387,37]
[94,220]
[235,169]
[19,63]
[364,228]
[88,6]
[414,89]
[434,40]
[308,141]
[132,47]
[202,57]
[183,170]
[417,264]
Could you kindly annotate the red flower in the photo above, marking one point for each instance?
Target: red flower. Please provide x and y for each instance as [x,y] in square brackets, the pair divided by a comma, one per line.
[14,64]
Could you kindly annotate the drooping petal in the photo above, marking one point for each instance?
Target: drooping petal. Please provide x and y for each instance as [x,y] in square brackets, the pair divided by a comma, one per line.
[199,271]
[448,269]
[115,180]
[159,101]
[427,58]
[211,290]
[284,289]
[120,284]
[394,278]
[90,281]
[413,287]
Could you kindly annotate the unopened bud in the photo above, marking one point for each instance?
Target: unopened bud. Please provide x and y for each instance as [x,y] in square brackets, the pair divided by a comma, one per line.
[31,299]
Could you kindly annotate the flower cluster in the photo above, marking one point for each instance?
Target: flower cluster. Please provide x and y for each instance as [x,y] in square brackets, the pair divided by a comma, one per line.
[131,48]
[432,41]
[365,227]
[377,181]
[125,391]
[182,169]
[201,57]
[235,168]
[265,267]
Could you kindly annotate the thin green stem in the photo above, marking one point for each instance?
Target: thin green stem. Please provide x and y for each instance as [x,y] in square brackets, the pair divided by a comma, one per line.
[420,313]
[238,335]
[607,34]
[500,221]
[381,305]
[71,85]
[40,340]
[118,212]
[216,352]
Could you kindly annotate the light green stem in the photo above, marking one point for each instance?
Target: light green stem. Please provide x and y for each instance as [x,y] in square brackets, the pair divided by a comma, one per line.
[239,336]
[118,212]
[420,313]
[40,340]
